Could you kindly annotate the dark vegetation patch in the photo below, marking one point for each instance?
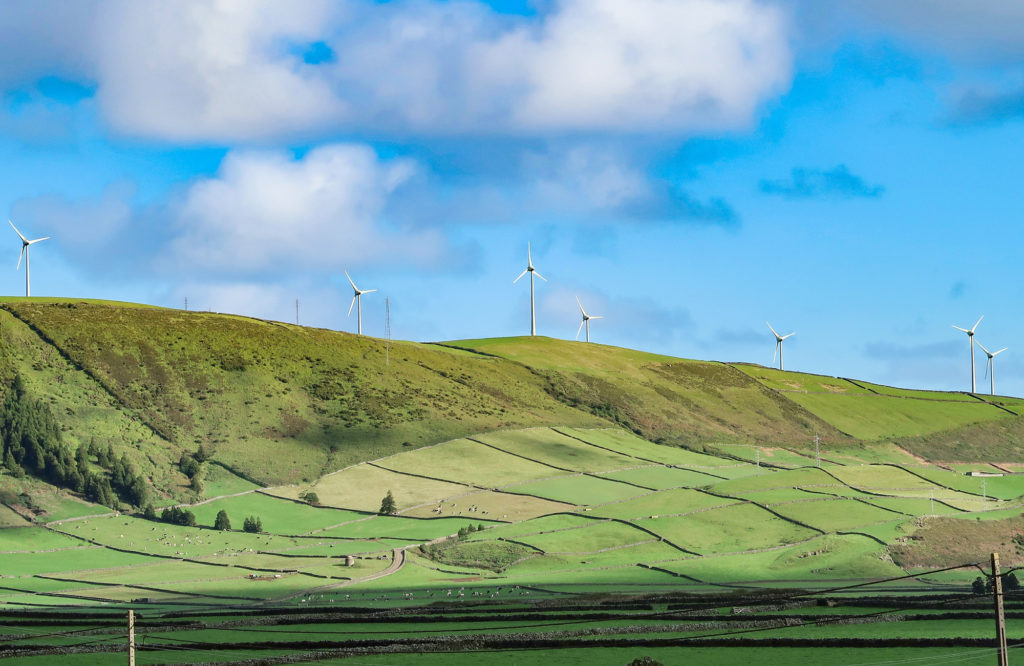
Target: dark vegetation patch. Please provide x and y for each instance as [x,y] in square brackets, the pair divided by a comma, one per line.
[991,441]
[949,541]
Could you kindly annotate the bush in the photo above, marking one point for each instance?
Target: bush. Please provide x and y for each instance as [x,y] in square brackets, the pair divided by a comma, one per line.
[310,497]
[253,524]
[222,522]
[178,516]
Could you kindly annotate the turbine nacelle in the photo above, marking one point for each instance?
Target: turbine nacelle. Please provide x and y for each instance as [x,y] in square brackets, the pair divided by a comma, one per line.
[586,320]
[357,296]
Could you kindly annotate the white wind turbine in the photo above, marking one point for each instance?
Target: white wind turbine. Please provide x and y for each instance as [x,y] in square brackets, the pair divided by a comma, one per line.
[970,335]
[586,320]
[778,344]
[24,253]
[357,298]
[990,368]
[532,271]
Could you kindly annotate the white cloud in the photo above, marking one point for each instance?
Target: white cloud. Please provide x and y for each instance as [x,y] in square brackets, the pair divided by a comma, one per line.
[211,71]
[222,71]
[267,211]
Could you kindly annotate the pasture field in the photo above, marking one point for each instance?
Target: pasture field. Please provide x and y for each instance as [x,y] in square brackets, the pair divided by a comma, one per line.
[835,515]
[768,456]
[658,477]
[362,487]
[628,444]
[550,523]
[579,490]
[413,529]
[558,450]
[727,529]
[469,462]
[590,539]
[665,502]
[789,381]
[279,516]
[220,481]
[492,505]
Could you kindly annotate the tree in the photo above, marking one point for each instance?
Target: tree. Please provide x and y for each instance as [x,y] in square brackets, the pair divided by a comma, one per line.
[1010,581]
[222,522]
[387,505]
[253,524]
[978,586]
[149,513]
[310,497]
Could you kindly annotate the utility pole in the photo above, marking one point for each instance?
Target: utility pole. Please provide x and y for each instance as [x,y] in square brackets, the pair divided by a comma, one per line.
[997,592]
[186,304]
[817,451]
[131,637]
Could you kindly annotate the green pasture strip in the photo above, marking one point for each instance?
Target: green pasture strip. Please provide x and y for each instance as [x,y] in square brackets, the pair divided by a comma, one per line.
[469,462]
[660,477]
[789,381]
[577,566]
[948,396]
[629,444]
[559,521]
[888,532]
[1002,487]
[914,506]
[872,417]
[620,579]
[882,478]
[706,656]
[63,561]
[74,580]
[824,558]
[964,628]
[727,529]
[553,448]
[599,536]
[414,529]
[835,515]
[579,490]
[221,481]
[680,500]
[492,505]
[280,516]
[62,507]
[361,488]
[807,477]
[143,658]
[768,456]
[158,538]
[335,547]
[989,514]
[964,468]
[11,518]
[21,539]
[774,496]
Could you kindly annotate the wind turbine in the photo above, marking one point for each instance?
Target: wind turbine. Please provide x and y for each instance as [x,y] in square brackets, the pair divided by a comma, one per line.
[532,271]
[586,320]
[778,344]
[970,335]
[990,368]
[357,298]
[24,253]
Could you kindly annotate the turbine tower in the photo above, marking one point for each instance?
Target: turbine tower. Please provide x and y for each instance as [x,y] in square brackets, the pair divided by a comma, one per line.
[24,253]
[532,271]
[970,335]
[357,298]
[586,320]
[778,344]
[990,368]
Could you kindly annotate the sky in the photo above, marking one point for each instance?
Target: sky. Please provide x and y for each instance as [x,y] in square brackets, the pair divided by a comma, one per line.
[689,169]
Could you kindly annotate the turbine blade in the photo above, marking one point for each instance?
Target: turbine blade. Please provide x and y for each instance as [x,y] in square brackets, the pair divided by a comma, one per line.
[1000,351]
[961,329]
[988,366]
[38,239]
[983,349]
[351,282]
[787,336]
[529,255]
[351,305]
[20,257]
[23,239]
[520,276]
[597,316]
[368,291]
[776,352]
[582,311]
[772,330]
[580,329]
[540,276]
[976,323]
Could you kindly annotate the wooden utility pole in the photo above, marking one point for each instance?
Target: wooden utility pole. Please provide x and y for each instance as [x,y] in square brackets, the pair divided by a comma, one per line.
[997,592]
[131,637]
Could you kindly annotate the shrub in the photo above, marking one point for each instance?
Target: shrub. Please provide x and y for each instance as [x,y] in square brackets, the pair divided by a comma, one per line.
[222,522]
[387,505]
[310,497]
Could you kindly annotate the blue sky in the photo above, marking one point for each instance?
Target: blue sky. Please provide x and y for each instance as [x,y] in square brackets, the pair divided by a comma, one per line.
[688,168]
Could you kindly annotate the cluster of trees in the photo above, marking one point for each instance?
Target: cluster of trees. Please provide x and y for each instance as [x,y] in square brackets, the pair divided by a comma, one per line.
[469,529]
[178,516]
[253,524]
[32,444]
[985,585]
[191,465]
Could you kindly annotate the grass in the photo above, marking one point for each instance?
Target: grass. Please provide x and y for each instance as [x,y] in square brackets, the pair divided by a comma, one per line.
[492,505]
[553,448]
[279,516]
[578,489]
[727,529]
[835,515]
[464,461]
[658,477]
[660,503]
[589,539]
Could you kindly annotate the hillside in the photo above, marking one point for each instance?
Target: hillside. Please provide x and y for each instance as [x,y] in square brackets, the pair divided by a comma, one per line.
[276,403]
